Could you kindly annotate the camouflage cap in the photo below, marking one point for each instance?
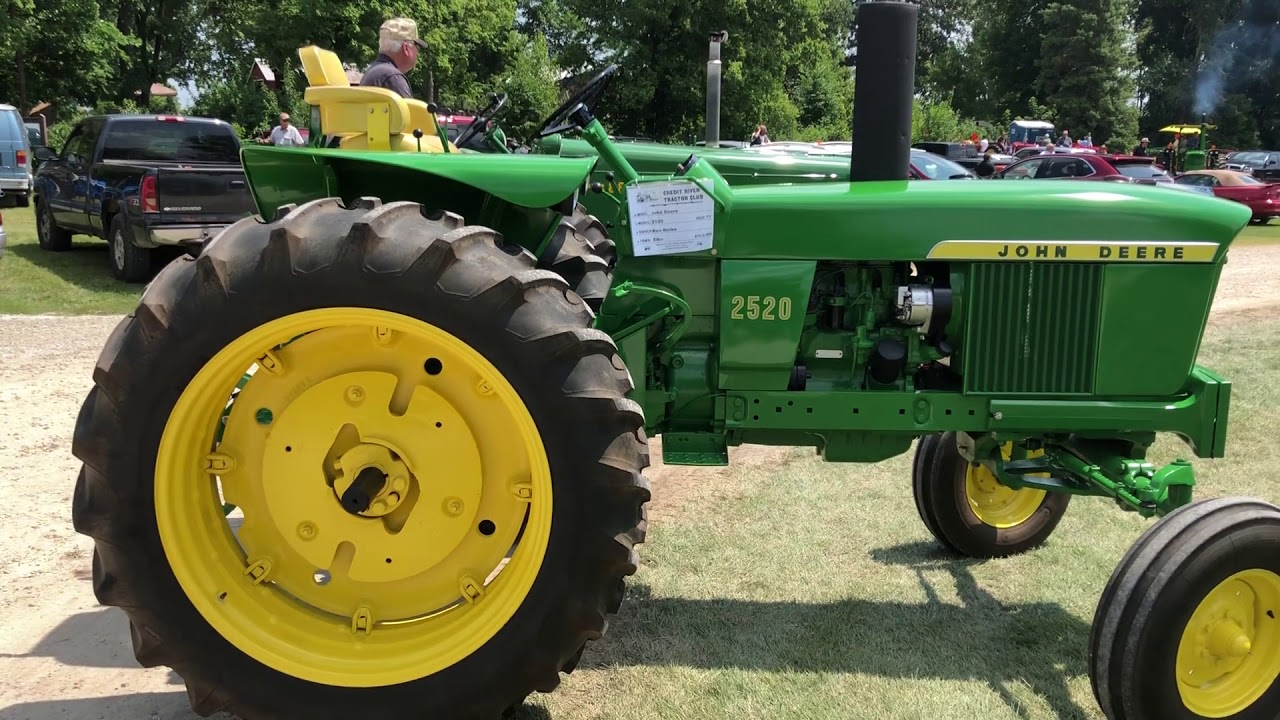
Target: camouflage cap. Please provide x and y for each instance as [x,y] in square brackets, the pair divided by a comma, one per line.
[401,29]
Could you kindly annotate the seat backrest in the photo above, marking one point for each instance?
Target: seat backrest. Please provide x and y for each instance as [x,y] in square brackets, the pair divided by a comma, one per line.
[323,68]
[373,118]
[376,112]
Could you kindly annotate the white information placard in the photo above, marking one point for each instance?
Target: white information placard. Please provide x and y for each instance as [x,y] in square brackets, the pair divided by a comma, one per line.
[670,217]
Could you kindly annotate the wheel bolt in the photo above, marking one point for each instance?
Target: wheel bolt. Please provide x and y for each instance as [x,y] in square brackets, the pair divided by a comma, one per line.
[307,530]
[355,394]
[263,416]
[453,506]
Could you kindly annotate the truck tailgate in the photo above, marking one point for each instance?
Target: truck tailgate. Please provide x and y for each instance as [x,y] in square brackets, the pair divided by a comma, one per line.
[201,195]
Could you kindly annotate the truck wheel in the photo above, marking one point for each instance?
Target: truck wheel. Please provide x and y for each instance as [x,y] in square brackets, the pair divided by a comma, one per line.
[969,512]
[439,473]
[129,263]
[1189,623]
[48,234]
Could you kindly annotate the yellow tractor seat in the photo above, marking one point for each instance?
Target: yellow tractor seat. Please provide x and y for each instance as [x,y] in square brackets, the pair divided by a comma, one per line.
[365,118]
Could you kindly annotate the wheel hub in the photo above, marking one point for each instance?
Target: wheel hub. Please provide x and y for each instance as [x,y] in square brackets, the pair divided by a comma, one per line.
[371,481]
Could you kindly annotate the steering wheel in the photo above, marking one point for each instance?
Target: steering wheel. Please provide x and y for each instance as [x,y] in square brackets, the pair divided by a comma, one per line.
[481,121]
[589,96]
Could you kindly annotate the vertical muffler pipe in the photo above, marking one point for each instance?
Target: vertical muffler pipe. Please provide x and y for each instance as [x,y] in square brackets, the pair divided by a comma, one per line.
[713,89]
[883,87]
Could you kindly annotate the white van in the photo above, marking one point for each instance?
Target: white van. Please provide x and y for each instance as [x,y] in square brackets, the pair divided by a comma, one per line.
[15,159]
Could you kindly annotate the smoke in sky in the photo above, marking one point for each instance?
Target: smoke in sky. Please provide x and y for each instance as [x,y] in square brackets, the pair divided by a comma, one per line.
[1241,50]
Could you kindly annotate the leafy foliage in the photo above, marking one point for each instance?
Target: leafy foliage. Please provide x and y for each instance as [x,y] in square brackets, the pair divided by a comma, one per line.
[1115,68]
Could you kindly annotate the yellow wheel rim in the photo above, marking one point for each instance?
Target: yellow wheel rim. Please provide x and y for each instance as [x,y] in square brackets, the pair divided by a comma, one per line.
[428,571]
[1229,654]
[998,505]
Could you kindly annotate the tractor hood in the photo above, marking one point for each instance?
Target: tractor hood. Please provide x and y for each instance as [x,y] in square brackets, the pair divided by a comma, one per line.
[739,167]
[987,219]
[279,176]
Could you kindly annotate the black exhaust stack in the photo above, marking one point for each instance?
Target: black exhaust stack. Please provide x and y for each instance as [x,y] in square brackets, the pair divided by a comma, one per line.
[883,89]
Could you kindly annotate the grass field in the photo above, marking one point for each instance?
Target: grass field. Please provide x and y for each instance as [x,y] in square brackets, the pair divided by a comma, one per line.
[80,282]
[76,282]
[804,590]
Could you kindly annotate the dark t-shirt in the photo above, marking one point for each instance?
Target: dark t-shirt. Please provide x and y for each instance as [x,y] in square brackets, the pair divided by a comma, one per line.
[382,72]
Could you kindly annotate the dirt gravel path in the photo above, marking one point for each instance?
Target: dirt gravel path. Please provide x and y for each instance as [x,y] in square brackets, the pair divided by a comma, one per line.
[62,656]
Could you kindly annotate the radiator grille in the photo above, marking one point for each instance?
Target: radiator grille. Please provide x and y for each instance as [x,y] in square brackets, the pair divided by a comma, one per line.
[1033,328]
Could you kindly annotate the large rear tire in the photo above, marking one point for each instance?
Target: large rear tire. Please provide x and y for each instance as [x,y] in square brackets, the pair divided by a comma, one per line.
[1188,626]
[418,393]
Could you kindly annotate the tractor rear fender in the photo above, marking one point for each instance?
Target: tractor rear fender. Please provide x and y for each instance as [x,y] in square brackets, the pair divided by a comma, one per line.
[518,195]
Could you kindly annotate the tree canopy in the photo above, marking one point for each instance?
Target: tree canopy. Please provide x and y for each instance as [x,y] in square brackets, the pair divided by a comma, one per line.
[1117,69]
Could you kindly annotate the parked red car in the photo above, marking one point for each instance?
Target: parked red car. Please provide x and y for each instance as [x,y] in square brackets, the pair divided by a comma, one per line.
[1263,198]
[1085,166]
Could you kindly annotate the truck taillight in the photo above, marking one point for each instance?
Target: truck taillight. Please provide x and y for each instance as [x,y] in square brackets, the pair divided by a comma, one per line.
[22,158]
[150,203]
[170,118]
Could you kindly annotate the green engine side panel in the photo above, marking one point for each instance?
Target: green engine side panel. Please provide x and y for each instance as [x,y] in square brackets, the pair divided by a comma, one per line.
[762,311]
[1174,301]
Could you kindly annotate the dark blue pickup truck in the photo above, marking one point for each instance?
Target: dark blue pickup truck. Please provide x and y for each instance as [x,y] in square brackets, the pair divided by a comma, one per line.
[140,182]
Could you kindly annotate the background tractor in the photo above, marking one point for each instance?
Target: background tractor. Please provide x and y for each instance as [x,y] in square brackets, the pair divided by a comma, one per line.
[380,451]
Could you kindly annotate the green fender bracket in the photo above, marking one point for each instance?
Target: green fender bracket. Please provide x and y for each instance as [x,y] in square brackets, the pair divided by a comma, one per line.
[674,304]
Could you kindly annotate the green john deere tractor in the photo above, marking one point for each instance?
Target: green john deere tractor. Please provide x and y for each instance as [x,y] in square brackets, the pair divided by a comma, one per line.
[381,454]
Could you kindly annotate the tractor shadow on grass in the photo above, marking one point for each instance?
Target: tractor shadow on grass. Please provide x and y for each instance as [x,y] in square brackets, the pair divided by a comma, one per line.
[137,706]
[1035,645]
[94,638]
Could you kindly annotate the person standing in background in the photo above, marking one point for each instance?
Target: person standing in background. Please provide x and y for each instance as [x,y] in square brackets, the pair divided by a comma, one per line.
[760,136]
[284,134]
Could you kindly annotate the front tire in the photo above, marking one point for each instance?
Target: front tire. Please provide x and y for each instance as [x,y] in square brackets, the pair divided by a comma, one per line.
[347,313]
[970,513]
[48,234]
[1188,627]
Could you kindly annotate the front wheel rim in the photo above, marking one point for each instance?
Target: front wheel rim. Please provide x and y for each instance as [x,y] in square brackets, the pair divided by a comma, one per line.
[117,248]
[1229,653]
[402,584]
[999,505]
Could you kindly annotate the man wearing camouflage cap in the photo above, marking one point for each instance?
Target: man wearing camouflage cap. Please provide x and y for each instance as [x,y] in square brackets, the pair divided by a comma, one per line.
[398,46]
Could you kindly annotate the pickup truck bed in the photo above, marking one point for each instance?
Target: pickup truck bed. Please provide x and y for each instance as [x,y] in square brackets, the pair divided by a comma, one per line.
[141,182]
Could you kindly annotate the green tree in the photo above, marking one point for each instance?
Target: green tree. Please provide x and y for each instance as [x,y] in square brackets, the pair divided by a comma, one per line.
[159,32]
[469,40]
[782,61]
[530,84]
[63,53]
[1085,72]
